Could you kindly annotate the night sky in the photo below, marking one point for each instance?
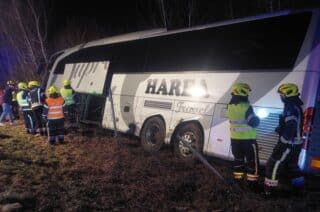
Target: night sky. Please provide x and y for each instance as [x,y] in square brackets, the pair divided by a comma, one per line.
[127,15]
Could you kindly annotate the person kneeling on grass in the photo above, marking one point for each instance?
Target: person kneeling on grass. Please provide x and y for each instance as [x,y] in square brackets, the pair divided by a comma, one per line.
[53,113]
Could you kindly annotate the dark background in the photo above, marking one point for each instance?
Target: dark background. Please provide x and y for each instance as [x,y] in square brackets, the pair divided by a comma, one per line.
[32,30]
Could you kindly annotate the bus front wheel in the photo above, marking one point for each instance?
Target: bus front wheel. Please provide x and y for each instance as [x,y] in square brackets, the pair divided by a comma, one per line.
[153,134]
[191,134]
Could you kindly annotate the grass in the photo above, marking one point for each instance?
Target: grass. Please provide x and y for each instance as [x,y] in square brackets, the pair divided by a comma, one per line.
[104,173]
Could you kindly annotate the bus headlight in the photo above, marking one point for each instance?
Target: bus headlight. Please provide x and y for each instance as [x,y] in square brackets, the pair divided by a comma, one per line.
[262,113]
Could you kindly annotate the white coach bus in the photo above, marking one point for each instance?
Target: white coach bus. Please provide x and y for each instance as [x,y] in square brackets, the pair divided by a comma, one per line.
[169,83]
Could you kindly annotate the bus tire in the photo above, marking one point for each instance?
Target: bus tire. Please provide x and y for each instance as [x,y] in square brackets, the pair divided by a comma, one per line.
[192,133]
[153,134]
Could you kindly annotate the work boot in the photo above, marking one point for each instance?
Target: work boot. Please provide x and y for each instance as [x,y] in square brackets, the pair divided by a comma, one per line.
[254,186]
[269,192]
[52,140]
[61,139]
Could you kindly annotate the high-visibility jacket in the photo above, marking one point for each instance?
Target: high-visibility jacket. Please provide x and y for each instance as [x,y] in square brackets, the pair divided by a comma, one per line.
[68,95]
[54,108]
[239,128]
[23,100]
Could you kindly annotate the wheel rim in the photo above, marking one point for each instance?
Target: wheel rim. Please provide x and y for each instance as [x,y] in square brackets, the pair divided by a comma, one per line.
[152,134]
[191,139]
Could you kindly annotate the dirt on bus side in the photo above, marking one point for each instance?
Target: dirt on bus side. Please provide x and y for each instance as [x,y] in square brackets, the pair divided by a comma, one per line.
[95,171]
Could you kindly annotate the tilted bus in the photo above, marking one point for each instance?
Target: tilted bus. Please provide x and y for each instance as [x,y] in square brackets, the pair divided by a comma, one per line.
[169,83]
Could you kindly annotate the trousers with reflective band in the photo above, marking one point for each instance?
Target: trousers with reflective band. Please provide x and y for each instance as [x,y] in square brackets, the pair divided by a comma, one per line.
[246,159]
[239,129]
[283,161]
[55,108]
[67,94]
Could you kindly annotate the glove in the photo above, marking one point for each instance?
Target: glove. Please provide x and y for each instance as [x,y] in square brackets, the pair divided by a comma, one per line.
[278,130]
[254,122]
[44,118]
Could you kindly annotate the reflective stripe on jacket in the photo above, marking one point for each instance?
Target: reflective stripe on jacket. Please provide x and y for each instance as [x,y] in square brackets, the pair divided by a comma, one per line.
[55,108]
[23,101]
[68,96]
[239,129]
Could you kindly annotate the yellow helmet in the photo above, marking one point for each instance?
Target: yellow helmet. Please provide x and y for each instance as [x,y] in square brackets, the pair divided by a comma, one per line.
[241,89]
[33,84]
[289,89]
[66,82]
[22,85]
[10,82]
[52,90]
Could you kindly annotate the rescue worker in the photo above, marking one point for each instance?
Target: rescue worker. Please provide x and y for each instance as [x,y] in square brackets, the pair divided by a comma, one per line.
[1,97]
[70,106]
[53,113]
[15,105]
[25,106]
[7,104]
[243,123]
[37,98]
[285,155]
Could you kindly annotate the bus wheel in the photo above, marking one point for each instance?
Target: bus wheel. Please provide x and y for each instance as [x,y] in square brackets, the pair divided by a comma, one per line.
[193,135]
[153,134]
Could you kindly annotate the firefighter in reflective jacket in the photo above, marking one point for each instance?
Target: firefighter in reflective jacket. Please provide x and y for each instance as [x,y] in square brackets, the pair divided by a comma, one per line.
[25,106]
[243,122]
[37,98]
[70,107]
[53,112]
[285,155]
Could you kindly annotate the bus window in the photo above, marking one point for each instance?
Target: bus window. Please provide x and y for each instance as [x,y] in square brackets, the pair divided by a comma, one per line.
[272,43]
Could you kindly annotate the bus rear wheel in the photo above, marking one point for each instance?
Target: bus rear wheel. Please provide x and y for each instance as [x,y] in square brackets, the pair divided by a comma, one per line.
[153,134]
[191,134]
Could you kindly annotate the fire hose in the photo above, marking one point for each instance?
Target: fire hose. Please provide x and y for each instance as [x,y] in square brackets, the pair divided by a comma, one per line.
[208,165]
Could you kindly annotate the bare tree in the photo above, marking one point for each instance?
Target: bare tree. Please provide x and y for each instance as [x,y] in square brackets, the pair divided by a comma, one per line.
[164,13]
[41,37]
[24,26]
[230,7]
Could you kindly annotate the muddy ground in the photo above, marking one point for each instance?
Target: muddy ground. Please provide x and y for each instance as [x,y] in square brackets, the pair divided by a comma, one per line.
[96,172]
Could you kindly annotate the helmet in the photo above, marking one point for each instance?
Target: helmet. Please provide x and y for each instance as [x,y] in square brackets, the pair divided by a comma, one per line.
[66,82]
[10,82]
[289,89]
[22,85]
[33,84]
[241,89]
[52,90]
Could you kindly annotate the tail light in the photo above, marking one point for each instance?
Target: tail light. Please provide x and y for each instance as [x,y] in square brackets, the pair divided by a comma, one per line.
[307,125]
[315,163]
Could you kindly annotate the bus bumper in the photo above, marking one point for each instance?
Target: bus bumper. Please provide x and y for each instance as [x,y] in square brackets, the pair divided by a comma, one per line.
[309,163]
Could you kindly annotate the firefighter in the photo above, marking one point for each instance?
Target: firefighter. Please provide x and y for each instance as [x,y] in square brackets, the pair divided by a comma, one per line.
[70,105]
[53,113]
[7,103]
[25,106]
[1,97]
[37,98]
[15,105]
[285,155]
[243,123]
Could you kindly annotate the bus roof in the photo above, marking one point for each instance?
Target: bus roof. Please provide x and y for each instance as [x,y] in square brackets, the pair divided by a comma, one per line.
[162,31]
